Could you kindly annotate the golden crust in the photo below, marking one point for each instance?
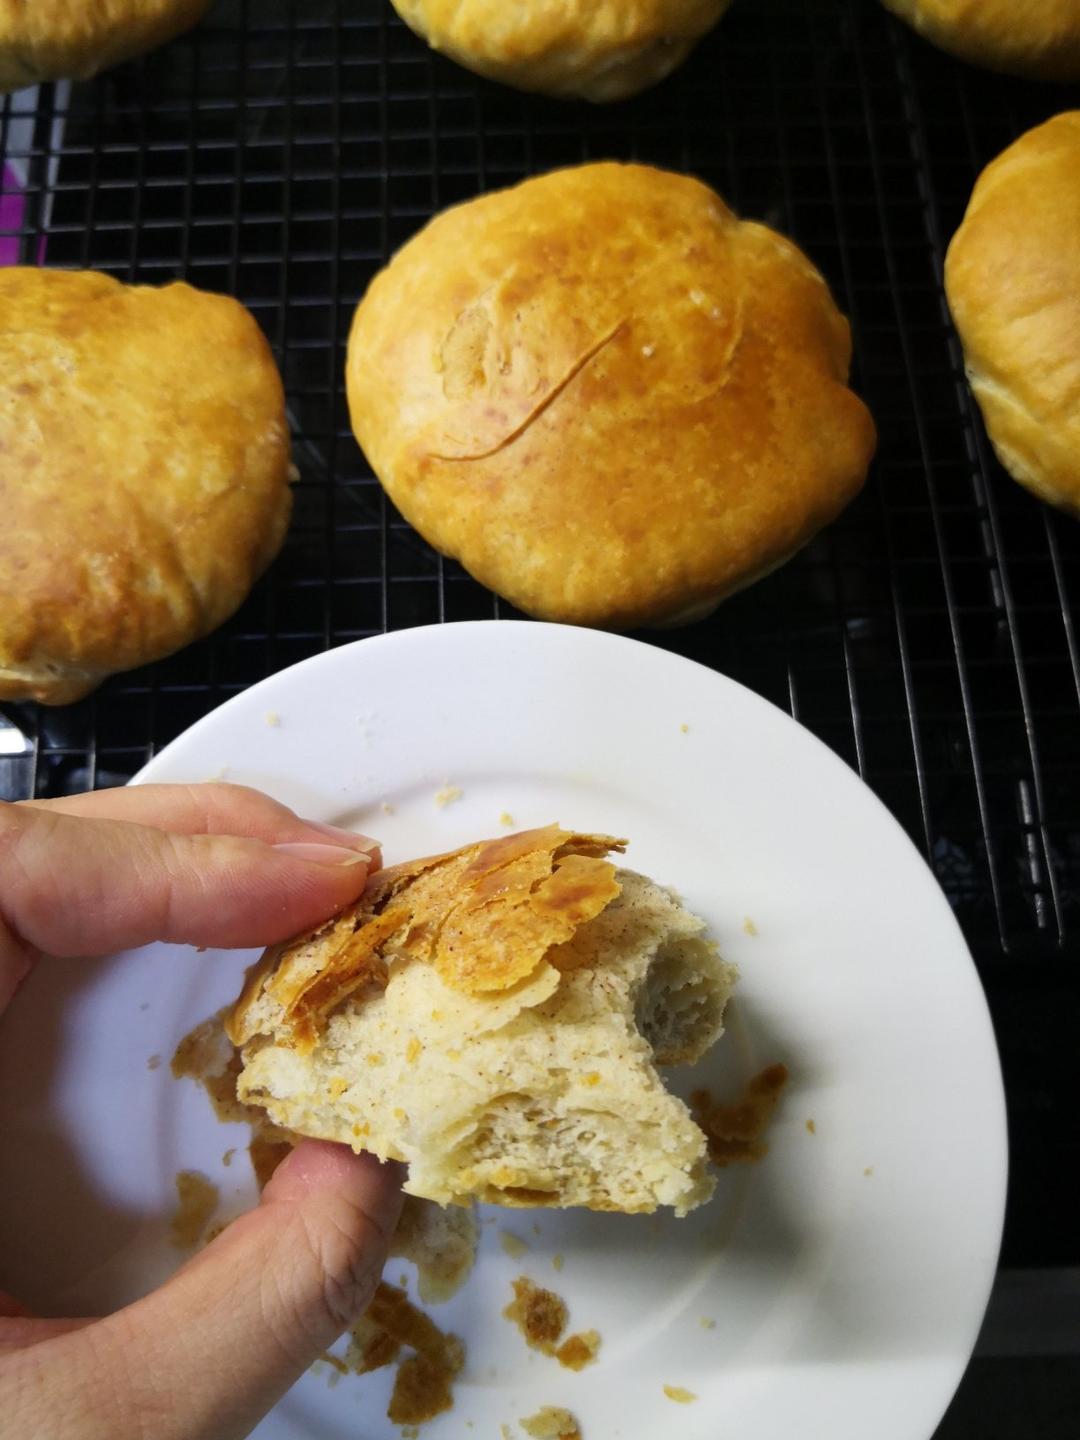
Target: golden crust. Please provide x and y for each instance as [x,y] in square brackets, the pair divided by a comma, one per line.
[143,474]
[1012,277]
[74,39]
[485,916]
[1036,38]
[610,399]
[599,52]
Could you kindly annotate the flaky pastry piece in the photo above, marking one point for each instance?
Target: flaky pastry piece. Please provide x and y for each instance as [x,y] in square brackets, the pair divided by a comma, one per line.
[495,1017]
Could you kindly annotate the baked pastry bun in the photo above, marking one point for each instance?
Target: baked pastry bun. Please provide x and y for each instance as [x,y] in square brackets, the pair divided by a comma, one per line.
[1036,38]
[611,399]
[570,48]
[495,1017]
[1012,277]
[144,461]
[74,39]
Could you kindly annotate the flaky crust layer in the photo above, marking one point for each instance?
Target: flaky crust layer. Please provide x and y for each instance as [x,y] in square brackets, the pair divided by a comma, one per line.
[599,50]
[612,400]
[1036,38]
[74,39]
[1012,276]
[143,474]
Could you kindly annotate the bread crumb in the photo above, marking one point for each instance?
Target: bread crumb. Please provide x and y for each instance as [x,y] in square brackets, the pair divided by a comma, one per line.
[679,1394]
[403,1280]
[648,351]
[505,818]
[386,808]
[707,1323]
[536,1228]
[273,719]
[811,1127]
[513,1244]
[153,1062]
[749,926]
[506,1432]
[145,1005]
[440,1243]
[196,1200]
[226,1159]
[413,1049]
[220,774]
[557,1263]
[539,1314]
[579,1350]
[410,1432]
[335,1362]
[685,728]
[735,1133]
[868,1171]
[447,795]
[552,1422]
[422,1390]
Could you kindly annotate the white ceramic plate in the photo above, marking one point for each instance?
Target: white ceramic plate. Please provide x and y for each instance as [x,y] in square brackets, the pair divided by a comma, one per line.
[841,1282]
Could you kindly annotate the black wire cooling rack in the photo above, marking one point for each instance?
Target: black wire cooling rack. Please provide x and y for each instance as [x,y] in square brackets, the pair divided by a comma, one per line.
[282,151]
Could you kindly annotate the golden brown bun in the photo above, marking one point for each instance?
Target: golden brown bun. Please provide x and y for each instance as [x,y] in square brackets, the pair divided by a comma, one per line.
[1036,38]
[610,399]
[74,39]
[495,1016]
[567,48]
[143,474]
[1012,276]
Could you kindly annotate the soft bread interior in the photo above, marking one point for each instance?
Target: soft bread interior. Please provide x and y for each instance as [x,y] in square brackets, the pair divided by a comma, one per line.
[547,1093]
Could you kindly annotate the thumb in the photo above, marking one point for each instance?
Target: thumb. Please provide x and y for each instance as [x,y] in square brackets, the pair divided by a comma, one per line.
[209,1353]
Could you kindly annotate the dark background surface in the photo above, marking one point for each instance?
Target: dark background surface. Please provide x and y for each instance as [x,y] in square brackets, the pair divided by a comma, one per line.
[283,150]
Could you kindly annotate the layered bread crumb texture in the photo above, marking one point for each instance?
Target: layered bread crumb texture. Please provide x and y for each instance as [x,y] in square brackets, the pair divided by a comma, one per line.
[495,1017]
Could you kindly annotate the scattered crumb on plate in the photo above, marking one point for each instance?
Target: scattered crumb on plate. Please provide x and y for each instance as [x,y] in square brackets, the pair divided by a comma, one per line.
[707,1323]
[749,926]
[811,1127]
[868,1171]
[506,818]
[557,1262]
[196,1200]
[539,1314]
[447,795]
[153,1062]
[536,1228]
[145,1005]
[685,729]
[551,1422]
[679,1394]
[506,1433]
[579,1350]
[513,1244]
[273,719]
[386,808]
[226,1159]
[735,1133]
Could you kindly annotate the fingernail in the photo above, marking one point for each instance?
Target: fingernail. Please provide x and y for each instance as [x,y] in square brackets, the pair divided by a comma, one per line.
[349,838]
[322,854]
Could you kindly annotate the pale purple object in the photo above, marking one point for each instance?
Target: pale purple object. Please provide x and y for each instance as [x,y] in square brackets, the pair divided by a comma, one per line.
[12,209]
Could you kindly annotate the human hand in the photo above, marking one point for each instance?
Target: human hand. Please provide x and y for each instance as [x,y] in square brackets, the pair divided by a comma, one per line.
[206,1355]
